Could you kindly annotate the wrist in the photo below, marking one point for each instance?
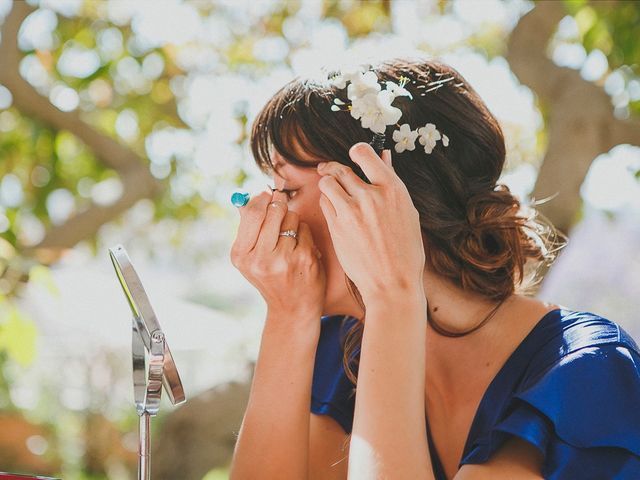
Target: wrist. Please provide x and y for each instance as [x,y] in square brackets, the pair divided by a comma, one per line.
[296,323]
[304,314]
[400,295]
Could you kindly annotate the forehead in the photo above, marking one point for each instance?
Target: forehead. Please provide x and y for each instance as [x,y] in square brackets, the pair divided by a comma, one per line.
[279,161]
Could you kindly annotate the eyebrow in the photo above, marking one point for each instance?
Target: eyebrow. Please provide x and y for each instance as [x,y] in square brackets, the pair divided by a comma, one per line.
[276,166]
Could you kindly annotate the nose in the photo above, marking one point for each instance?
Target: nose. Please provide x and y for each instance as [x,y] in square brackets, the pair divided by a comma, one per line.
[279,182]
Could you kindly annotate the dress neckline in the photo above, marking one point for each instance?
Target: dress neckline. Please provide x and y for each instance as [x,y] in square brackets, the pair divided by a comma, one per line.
[435,459]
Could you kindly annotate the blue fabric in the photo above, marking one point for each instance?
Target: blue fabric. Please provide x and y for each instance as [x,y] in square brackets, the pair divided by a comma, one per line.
[331,391]
[571,389]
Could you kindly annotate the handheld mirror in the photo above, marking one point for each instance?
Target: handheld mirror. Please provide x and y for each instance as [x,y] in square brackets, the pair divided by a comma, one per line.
[147,338]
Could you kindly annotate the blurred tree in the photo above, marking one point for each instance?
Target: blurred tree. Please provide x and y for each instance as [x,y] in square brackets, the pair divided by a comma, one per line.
[82,142]
[581,123]
[24,446]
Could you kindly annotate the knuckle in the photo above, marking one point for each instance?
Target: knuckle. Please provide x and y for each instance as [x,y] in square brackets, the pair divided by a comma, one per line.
[340,169]
[252,212]
[325,180]
[292,215]
[257,203]
[306,258]
[277,206]
[238,261]
[259,268]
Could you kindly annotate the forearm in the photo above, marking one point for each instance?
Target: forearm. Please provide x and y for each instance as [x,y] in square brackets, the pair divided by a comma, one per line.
[273,441]
[389,438]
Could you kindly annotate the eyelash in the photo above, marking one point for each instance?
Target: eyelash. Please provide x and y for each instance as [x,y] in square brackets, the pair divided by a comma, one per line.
[287,191]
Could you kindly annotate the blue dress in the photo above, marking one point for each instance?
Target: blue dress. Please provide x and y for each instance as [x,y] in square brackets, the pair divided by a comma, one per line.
[571,388]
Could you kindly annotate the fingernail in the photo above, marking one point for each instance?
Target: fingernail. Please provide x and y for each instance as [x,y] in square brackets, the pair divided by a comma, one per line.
[321,165]
[240,199]
[277,194]
[358,146]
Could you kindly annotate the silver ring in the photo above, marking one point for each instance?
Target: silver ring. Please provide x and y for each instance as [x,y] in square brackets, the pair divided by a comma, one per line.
[289,233]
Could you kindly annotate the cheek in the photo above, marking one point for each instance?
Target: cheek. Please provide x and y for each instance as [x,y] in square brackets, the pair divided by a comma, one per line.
[307,206]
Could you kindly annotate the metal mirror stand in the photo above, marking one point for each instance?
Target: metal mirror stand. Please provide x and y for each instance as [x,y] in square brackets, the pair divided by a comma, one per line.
[146,338]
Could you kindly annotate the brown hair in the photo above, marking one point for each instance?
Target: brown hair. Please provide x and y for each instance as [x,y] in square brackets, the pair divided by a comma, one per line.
[475,232]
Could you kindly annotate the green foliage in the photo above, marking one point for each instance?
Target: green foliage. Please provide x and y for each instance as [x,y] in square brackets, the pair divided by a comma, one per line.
[17,334]
[217,474]
[611,27]
[360,18]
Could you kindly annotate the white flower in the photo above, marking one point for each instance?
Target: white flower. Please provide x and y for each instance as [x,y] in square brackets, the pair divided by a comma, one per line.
[363,84]
[375,111]
[347,75]
[405,138]
[397,91]
[429,135]
[445,140]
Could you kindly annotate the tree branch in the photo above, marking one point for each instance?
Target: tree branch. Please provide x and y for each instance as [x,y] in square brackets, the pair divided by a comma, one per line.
[626,131]
[137,181]
[581,126]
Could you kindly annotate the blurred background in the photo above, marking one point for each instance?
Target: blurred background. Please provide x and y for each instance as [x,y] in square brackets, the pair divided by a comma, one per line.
[127,122]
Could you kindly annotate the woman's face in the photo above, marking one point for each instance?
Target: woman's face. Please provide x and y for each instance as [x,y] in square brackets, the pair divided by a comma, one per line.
[304,196]
[305,201]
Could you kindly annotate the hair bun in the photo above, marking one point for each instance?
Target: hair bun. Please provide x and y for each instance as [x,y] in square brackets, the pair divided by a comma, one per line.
[494,238]
[487,209]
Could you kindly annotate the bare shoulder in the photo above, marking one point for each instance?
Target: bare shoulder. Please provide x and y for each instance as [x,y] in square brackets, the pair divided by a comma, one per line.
[516,460]
[328,449]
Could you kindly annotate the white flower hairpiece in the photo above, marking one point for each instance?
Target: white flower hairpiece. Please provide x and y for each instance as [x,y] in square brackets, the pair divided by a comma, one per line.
[372,105]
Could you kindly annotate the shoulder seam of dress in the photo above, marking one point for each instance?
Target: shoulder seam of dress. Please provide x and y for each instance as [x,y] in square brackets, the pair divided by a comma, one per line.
[606,343]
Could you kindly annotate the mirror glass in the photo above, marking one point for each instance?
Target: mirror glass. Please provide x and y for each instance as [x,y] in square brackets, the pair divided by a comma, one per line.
[145,321]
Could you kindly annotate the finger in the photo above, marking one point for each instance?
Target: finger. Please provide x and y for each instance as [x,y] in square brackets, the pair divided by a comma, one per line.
[328,211]
[334,192]
[290,222]
[386,158]
[350,182]
[370,163]
[305,239]
[272,225]
[251,218]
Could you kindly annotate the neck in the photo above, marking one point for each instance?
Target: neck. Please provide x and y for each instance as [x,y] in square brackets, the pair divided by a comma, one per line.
[454,309]
[450,359]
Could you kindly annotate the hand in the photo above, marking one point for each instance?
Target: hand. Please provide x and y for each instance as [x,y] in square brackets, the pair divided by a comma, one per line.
[375,228]
[288,274]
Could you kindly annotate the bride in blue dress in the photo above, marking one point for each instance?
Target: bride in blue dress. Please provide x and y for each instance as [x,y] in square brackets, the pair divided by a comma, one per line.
[432,358]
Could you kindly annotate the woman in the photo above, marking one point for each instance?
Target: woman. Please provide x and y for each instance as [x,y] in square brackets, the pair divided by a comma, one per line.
[460,374]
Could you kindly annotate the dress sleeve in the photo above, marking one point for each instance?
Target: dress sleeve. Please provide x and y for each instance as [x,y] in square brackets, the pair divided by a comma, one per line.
[332,391]
[582,413]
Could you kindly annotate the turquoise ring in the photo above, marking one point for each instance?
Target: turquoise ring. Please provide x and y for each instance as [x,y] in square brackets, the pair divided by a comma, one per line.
[240,199]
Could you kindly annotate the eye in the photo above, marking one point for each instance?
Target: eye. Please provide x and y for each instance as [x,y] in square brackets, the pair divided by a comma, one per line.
[290,193]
